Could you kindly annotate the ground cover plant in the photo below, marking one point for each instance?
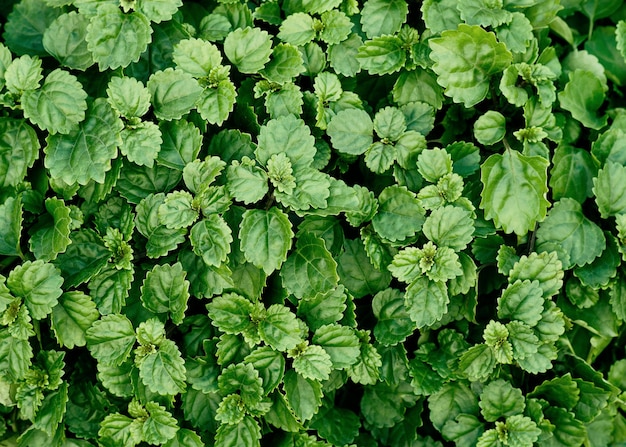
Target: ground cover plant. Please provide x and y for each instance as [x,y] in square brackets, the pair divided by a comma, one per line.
[312,223]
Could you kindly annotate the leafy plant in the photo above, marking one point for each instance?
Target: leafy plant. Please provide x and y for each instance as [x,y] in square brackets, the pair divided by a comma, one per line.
[312,223]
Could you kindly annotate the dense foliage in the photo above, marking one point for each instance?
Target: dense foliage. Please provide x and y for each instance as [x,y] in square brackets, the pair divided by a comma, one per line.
[312,223]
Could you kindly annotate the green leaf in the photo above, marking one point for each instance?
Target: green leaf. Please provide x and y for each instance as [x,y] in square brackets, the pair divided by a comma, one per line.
[231,313]
[163,371]
[312,363]
[609,187]
[572,173]
[22,74]
[160,426]
[245,433]
[440,15]
[71,317]
[184,438]
[433,164]
[544,267]
[117,429]
[217,102]
[297,29]
[490,127]
[469,52]
[484,13]
[285,64]
[265,238]
[182,141]
[514,191]
[337,425]
[65,40]
[25,25]
[449,226]
[110,339]
[288,135]
[310,268]
[394,324]
[382,406]
[159,10]
[19,148]
[303,395]
[426,301]
[323,308]
[211,238]
[15,356]
[351,131]
[176,211]
[52,237]
[379,17]
[582,96]
[160,238]
[453,399]
[165,289]
[566,230]
[357,273]
[341,344]
[83,258]
[517,34]
[11,227]
[128,96]
[500,399]
[173,93]
[116,39]
[249,49]
[523,301]
[478,362]
[196,57]
[246,181]
[59,105]
[343,56]
[38,283]
[85,153]
[279,328]
[141,143]
[400,214]
[567,429]
[382,55]
[336,27]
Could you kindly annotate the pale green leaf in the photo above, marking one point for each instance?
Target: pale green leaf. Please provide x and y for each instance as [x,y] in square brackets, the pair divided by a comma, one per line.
[176,211]
[544,267]
[163,371]
[52,235]
[231,313]
[128,96]
[15,356]
[211,238]
[279,328]
[380,17]
[59,105]
[343,56]
[514,191]
[158,10]
[382,55]
[572,173]
[351,131]
[394,324]
[609,187]
[141,143]
[433,164]
[217,102]
[160,426]
[285,64]
[465,59]
[19,148]
[366,370]
[245,433]
[165,289]
[111,339]
[288,135]
[400,214]
[116,39]
[65,40]
[500,399]
[450,226]
[117,429]
[523,301]
[490,127]
[582,96]
[477,363]
[426,301]
[85,153]
[297,29]
[340,342]
[196,57]
[484,12]
[71,318]
[313,363]
[265,238]
[249,49]
[566,230]
[173,93]
[440,15]
[38,283]
[336,27]
[24,73]
[160,238]
[246,181]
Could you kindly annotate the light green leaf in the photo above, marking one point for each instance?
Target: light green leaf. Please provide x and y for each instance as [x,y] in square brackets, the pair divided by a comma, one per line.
[484,13]
[160,426]
[517,34]
[141,143]
[59,105]
[211,238]
[440,15]
[490,127]
[160,238]
[566,230]
[10,226]
[249,49]
[394,324]
[265,238]
[582,96]
[382,55]
[176,211]
[184,438]
[116,39]
[544,267]
[336,27]
[357,273]
[343,56]
[198,174]
[351,131]
[15,356]
[609,187]
[341,344]
[245,433]
[279,328]
[453,399]
[450,226]
[65,40]
[323,308]
[500,399]
[111,339]
[71,317]
[477,363]
[52,232]
[467,53]
[165,289]
[118,429]
[85,153]
[128,96]
[572,173]
[514,191]
[24,73]
[246,182]
[19,148]
[297,29]
[366,370]
[426,301]
[400,214]
[38,283]
[163,371]
[288,135]
[433,164]
[285,64]
[303,395]
[523,301]
[173,93]
[158,10]
[310,268]
[379,17]
[217,102]
[231,313]
[312,363]
[196,57]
